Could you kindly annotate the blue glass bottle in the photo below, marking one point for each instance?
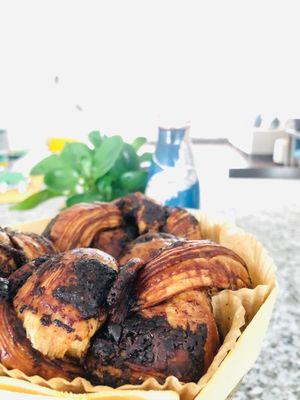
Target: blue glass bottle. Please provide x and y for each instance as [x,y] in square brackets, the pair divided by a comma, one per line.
[172,176]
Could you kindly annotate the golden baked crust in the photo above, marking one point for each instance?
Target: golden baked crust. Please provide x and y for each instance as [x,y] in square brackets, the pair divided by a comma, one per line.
[190,264]
[76,226]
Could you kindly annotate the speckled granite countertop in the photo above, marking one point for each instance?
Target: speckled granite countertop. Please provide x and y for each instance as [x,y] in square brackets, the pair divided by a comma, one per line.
[276,374]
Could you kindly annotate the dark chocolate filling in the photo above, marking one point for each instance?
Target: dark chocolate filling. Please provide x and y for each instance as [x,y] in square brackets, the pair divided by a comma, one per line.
[89,294]
[150,345]
[66,327]
[153,212]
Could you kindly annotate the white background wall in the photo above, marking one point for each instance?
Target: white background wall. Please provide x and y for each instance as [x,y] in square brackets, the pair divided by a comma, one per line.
[122,66]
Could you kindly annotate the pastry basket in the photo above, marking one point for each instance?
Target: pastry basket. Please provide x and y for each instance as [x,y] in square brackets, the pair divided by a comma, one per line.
[234,365]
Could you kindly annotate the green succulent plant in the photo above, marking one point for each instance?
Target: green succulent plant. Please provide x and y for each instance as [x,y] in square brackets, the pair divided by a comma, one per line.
[106,169]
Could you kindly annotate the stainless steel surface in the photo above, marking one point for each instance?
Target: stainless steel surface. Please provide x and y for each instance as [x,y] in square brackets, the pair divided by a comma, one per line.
[279,172]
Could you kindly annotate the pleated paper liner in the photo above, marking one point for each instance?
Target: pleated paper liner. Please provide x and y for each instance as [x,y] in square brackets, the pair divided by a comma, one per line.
[17,386]
[233,310]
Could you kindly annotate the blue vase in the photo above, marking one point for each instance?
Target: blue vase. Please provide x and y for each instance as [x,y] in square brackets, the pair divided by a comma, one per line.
[172,176]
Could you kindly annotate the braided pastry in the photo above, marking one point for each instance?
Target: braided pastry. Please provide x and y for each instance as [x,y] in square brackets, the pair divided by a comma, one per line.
[166,325]
[112,226]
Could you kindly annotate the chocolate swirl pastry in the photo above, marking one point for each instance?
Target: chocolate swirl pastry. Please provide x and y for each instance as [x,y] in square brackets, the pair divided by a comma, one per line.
[17,248]
[50,309]
[163,324]
[62,304]
[111,227]
[178,338]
